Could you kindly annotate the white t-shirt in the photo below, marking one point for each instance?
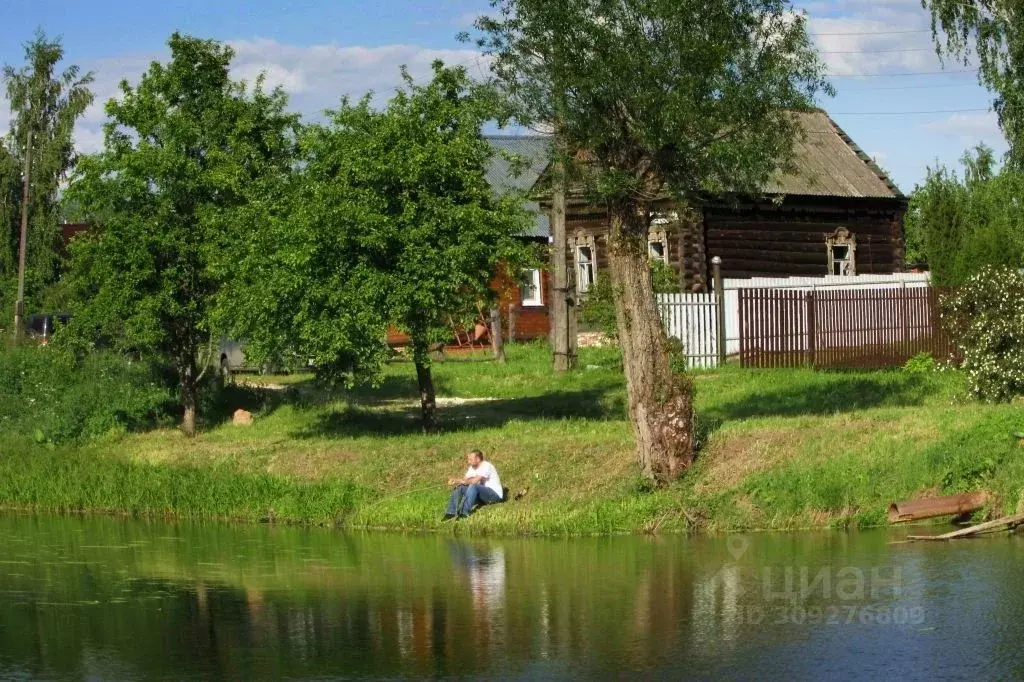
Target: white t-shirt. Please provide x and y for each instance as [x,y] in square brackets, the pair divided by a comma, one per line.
[487,472]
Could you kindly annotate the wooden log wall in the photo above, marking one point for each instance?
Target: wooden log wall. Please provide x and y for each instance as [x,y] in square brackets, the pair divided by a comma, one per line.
[759,240]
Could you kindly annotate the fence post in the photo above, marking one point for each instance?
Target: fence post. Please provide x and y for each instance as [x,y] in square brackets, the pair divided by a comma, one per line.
[716,273]
[904,316]
[812,329]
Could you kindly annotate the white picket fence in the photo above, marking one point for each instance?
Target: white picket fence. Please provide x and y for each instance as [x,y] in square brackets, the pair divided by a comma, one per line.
[691,318]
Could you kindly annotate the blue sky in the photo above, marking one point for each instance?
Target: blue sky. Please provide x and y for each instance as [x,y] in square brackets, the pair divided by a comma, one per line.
[319,50]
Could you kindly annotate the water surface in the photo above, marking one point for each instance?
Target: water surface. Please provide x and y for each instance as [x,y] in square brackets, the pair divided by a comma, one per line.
[97,598]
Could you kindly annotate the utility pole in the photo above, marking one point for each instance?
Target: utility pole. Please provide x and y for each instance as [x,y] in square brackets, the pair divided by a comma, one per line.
[563,313]
[19,306]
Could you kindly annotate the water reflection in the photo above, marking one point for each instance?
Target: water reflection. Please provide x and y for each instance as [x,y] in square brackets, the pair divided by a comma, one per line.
[107,599]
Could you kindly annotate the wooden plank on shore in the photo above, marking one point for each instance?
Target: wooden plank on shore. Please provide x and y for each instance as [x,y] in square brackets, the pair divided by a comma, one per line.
[1008,521]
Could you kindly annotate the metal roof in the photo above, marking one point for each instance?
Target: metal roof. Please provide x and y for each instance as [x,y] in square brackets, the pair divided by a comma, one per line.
[535,150]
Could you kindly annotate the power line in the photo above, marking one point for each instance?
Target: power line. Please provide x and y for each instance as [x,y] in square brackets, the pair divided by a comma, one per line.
[910,49]
[911,87]
[873,33]
[906,113]
[895,75]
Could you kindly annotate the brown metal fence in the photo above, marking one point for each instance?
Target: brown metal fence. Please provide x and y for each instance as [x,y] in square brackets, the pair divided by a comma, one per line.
[840,328]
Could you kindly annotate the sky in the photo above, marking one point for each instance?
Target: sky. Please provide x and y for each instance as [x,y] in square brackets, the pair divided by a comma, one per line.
[895,98]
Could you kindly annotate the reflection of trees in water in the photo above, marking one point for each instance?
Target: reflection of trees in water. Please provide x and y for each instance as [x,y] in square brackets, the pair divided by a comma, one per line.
[305,604]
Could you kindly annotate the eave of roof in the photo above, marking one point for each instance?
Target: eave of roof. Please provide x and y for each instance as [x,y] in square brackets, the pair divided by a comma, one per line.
[828,163]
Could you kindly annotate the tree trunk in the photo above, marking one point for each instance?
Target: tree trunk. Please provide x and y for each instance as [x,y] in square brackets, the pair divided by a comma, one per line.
[660,401]
[425,381]
[189,397]
[497,343]
[563,341]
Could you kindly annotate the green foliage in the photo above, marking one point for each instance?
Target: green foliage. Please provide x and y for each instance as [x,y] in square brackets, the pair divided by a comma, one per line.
[187,153]
[48,396]
[65,480]
[392,223]
[987,319]
[915,251]
[965,224]
[48,103]
[922,363]
[684,94]
[988,35]
[598,309]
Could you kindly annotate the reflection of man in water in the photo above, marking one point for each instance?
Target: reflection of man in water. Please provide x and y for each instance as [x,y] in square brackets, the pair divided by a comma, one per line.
[480,485]
[486,568]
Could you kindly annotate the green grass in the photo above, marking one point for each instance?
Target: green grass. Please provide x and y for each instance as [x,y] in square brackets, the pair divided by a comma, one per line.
[67,481]
[779,449]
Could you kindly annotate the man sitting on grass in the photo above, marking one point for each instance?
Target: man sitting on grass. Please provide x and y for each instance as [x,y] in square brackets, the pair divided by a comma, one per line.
[480,485]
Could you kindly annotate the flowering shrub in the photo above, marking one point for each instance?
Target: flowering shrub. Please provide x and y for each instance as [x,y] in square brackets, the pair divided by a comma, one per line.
[986,318]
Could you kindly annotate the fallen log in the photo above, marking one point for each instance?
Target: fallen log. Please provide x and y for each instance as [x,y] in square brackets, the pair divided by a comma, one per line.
[953,505]
[1008,521]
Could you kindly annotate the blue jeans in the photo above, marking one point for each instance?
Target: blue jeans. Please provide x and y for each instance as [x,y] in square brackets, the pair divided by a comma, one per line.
[470,495]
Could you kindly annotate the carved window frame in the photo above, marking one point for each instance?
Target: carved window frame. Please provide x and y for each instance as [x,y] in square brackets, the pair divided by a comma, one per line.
[842,238]
[658,236]
[582,240]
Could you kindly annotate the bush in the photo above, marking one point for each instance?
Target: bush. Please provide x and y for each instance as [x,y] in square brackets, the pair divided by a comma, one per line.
[598,310]
[961,223]
[922,363]
[48,395]
[986,317]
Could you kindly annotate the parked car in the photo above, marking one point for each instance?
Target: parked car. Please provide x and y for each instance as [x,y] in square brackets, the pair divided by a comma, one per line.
[233,359]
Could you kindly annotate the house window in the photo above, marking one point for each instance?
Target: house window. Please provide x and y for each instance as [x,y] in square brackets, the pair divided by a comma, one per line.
[842,249]
[656,251]
[584,268]
[842,262]
[532,293]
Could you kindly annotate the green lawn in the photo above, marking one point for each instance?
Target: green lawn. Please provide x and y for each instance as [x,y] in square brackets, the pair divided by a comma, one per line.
[779,449]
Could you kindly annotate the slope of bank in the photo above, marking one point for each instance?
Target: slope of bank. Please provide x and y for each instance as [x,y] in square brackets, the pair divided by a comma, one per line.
[781,449]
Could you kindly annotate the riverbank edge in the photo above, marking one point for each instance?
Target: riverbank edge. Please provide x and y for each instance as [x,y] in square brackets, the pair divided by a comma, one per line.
[59,481]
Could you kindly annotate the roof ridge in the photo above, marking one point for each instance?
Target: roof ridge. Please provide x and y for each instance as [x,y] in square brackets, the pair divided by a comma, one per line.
[863,156]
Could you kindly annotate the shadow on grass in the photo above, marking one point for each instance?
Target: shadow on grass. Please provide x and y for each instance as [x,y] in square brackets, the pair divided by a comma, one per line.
[826,393]
[218,405]
[404,418]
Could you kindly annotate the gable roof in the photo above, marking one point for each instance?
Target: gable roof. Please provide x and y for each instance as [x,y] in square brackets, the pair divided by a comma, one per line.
[829,163]
[536,151]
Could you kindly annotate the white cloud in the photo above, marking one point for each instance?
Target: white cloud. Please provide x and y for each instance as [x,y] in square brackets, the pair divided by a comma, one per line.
[317,76]
[851,46]
[879,157]
[88,138]
[314,76]
[874,36]
[971,128]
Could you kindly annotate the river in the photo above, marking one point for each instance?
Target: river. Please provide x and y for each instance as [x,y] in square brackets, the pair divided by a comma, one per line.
[101,598]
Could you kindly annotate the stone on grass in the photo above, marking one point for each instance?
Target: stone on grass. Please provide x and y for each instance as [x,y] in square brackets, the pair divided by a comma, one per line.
[242,418]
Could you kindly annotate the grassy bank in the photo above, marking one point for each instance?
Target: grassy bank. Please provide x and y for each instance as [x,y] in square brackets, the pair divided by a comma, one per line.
[781,449]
